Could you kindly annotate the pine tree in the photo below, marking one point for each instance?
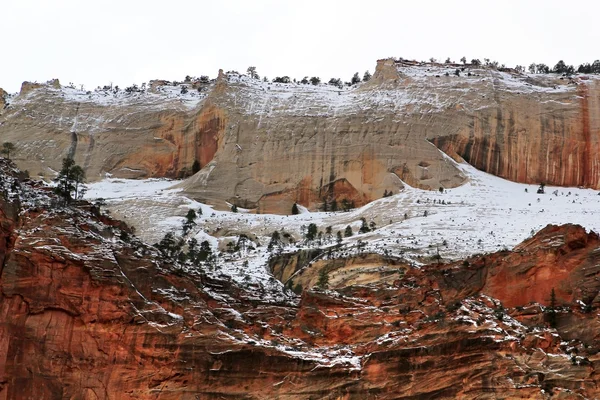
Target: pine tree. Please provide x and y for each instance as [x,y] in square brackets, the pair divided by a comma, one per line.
[323,281]
[295,210]
[339,237]
[190,221]
[169,245]
[366,76]
[355,79]
[234,208]
[311,232]
[275,240]
[205,251]
[348,231]
[69,182]
[7,148]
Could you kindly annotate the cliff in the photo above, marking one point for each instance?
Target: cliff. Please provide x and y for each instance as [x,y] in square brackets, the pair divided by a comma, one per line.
[89,311]
[267,145]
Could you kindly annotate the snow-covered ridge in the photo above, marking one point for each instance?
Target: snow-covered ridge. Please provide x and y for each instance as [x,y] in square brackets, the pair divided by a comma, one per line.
[182,96]
[427,88]
[485,215]
[424,89]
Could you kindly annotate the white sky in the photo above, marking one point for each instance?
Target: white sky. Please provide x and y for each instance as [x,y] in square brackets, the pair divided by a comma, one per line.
[132,41]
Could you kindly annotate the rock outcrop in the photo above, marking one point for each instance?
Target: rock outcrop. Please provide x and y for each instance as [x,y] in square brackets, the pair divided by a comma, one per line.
[267,145]
[3,96]
[88,311]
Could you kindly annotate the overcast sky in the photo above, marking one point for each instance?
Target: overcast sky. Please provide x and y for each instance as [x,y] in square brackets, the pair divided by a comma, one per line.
[130,41]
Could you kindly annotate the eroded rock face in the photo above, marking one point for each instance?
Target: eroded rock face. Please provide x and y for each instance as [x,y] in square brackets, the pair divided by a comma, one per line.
[3,96]
[88,312]
[268,145]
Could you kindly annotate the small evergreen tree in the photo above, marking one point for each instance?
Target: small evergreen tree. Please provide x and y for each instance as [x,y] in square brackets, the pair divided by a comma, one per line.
[275,240]
[7,148]
[339,237]
[295,210]
[190,221]
[315,80]
[366,76]
[234,208]
[348,231]
[355,79]
[311,232]
[205,251]
[69,180]
[323,281]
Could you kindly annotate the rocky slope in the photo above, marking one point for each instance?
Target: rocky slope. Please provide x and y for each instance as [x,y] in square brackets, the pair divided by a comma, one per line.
[89,311]
[268,145]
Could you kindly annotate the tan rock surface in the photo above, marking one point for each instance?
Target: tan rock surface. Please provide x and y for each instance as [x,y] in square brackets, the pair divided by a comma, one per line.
[267,145]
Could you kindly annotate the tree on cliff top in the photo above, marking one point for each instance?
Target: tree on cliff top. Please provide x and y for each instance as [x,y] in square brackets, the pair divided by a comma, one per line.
[252,73]
[7,148]
[69,182]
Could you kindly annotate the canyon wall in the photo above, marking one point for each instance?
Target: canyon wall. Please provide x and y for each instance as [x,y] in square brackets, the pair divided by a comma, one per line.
[87,311]
[267,145]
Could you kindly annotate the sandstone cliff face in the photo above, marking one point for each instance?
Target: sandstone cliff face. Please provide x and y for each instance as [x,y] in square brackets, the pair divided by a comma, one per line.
[266,145]
[3,96]
[127,135]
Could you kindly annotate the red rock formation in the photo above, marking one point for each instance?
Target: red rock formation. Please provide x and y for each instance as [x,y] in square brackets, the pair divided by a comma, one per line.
[85,314]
